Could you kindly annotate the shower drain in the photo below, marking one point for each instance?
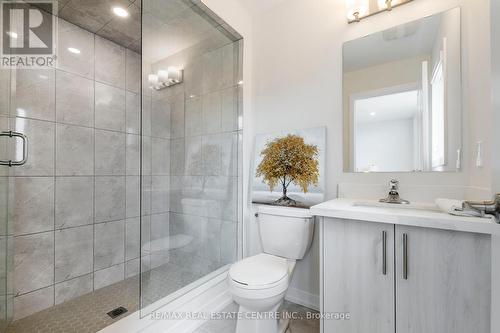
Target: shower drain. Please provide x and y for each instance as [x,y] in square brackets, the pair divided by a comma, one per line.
[117,312]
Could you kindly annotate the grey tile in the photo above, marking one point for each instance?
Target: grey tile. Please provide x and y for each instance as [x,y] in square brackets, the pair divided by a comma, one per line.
[75,151]
[177,117]
[4,145]
[91,15]
[229,65]
[229,110]
[109,63]
[41,147]
[160,200]
[133,196]
[109,276]
[74,201]
[160,156]
[72,36]
[35,94]
[5,91]
[133,154]
[133,113]
[228,242]
[31,204]
[109,198]
[146,195]
[74,99]
[4,206]
[109,107]
[166,11]
[160,118]
[123,31]
[73,256]
[33,262]
[212,154]
[212,113]
[109,153]
[133,239]
[194,125]
[193,78]
[212,71]
[177,149]
[147,155]
[33,302]
[160,228]
[146,115]
[194,156]
[71,289]
[109,244]
[133,71]
[229,154]
[132,268]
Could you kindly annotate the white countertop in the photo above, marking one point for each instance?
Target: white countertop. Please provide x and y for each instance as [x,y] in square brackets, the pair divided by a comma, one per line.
[346,209]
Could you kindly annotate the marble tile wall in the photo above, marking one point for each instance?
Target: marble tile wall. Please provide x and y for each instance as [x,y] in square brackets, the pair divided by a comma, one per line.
[200,169]
[74,207]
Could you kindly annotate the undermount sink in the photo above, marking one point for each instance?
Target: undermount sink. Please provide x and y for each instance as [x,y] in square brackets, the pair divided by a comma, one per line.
[414,206]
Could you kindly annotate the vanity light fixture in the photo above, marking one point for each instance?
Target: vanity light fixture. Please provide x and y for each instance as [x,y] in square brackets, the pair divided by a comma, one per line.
[121,12]
[165,78]
[360,9]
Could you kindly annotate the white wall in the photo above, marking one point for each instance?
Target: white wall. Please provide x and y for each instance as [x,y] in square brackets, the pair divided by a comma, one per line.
[293,79]
[297,82]
[495,90]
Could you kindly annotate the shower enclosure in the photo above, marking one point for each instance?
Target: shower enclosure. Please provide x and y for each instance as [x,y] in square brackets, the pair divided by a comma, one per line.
[131,193]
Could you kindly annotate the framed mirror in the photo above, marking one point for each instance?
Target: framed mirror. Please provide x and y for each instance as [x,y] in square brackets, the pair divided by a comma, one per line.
[402,98]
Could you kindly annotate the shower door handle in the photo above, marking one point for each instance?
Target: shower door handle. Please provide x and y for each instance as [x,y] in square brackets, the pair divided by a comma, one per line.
[23,137]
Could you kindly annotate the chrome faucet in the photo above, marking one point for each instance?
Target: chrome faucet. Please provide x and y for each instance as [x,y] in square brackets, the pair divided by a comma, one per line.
[491,207]
[393,196]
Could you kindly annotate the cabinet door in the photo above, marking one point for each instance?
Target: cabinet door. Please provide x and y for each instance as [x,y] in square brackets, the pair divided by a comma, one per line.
[447,285]
[354,279]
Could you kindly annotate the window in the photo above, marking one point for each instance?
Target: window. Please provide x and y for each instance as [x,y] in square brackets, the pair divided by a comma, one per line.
[438,116]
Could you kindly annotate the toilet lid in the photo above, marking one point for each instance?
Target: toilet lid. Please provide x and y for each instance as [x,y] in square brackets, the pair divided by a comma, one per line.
[262,269]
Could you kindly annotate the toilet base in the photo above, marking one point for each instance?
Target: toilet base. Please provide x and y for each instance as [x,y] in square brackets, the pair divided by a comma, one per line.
[260,322]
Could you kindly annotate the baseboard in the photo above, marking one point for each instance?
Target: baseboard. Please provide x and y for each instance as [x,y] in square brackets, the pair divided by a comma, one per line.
[303,298]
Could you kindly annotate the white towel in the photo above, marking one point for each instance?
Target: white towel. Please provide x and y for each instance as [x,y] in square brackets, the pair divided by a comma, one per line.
[455,207]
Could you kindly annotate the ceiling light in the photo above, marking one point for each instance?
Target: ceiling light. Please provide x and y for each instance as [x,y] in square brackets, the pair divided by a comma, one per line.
[12,34]
[373,114]
[74,50]
[121,12]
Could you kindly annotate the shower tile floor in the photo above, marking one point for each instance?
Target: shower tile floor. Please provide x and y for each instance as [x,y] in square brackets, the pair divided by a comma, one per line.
[88,313]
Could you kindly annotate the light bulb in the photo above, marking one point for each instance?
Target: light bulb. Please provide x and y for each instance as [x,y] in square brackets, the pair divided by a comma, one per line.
[357,9]
[121,12]
[387,4]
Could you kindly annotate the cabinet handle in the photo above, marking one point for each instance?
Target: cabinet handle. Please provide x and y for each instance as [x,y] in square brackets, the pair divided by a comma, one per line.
[405,256]
[384,252]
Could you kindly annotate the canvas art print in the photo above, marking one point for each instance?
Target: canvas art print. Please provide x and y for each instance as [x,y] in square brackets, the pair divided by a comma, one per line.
[289,168]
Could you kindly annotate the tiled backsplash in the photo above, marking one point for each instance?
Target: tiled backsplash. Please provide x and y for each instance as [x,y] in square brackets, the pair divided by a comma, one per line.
[74,207]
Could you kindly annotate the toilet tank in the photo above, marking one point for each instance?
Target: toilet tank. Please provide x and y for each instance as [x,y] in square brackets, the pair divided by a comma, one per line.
[284,231]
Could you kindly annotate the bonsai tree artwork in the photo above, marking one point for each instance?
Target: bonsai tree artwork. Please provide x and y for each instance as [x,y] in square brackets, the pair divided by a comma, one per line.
[289,160]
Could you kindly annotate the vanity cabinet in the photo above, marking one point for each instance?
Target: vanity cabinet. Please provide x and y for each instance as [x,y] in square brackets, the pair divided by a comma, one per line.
[394,278]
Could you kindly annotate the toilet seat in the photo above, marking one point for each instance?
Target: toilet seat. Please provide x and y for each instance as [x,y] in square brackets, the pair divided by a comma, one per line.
[261,271]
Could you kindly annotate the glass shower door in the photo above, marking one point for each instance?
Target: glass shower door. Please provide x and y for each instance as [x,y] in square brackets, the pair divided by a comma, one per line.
[191,134]
[5,237]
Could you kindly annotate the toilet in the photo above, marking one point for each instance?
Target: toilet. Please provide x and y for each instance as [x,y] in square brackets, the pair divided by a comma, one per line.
[259,283]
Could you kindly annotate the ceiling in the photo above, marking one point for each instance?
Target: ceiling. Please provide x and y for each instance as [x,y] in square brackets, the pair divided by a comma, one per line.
[169,26]
[96,16]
